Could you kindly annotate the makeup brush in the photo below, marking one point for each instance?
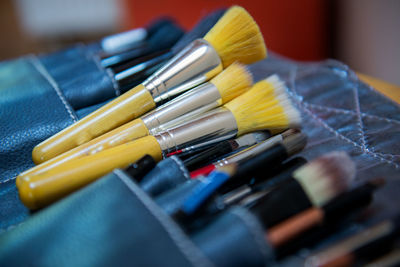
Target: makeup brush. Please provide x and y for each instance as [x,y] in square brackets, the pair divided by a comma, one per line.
[259,108]
[235,37]
[220,149]
[163,38]
[172,200]
[240,142]
[312,185]
[244,154]
[128,39]
[138,170]
[332,211]
[230,83]
[264,182]
[134,72]
[235,174]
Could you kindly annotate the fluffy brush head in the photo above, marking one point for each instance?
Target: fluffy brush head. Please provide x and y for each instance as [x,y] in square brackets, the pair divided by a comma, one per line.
[326,176]
[232,82]
[265,106]
[237,37]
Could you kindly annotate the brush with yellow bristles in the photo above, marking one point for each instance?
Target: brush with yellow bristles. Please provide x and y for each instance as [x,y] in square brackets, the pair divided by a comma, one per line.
[266,104]
[235,37]
[233,81]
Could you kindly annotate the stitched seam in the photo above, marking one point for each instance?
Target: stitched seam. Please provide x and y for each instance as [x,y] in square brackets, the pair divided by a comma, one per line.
[41,69]
[254,227]
[110,74]
[181,166]
[297,98]
[107,71]
[188,249]
[4,230]
[350,112]
[313,106]
[359,119]
[7,180]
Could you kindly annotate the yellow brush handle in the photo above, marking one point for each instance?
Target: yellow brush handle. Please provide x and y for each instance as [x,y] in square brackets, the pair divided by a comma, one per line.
[40,190]
[119,111]
[121,135]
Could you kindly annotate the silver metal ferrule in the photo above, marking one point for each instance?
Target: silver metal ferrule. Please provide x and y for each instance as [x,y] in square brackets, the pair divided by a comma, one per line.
[251,151]
[211,125]
[195,64]
[196,101]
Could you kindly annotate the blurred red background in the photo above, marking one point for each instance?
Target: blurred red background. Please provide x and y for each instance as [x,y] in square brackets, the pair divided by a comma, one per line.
[296,29]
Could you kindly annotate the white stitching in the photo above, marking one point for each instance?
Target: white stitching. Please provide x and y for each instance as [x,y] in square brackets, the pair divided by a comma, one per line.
[4,230]
[42,70]
[350,112]
[359,119]
[335,110]
[7,180]
[107,71]
[110,74]
[181,166]
[191,252]
[297,99]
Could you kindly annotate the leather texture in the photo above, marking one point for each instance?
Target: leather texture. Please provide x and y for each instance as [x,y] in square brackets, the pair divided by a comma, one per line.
[234,238]
[166,175]
[32,108]
[171,201]
[80,77]
[112,222]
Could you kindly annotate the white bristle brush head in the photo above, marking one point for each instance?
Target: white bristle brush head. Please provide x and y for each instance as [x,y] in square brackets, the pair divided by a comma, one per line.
[327,176]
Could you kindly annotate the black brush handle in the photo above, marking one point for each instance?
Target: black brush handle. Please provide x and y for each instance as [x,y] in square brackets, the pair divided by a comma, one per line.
[208,155]
[142,60]
[189,153]
[140,168]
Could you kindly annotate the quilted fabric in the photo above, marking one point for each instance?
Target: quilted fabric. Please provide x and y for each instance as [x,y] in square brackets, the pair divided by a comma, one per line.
[342,113]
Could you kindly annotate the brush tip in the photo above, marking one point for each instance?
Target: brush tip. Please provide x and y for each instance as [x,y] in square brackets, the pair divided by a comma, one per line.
[265,106]
[294,142]
[326,176]
[237,37]
[233,81]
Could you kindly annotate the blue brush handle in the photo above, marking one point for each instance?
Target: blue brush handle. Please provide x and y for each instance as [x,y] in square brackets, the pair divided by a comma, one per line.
[203,191]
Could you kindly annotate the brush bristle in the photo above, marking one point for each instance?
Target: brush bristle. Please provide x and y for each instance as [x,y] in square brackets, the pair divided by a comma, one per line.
[265,106]
[232,82]
[237,37]
[326,177]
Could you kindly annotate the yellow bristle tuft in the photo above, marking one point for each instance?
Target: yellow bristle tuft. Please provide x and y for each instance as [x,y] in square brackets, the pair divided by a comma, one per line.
[232,82]
[237,37]
[265,106]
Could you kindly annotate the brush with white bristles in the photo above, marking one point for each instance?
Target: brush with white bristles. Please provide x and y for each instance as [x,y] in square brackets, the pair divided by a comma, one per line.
[235,37]
[263,104]
[230,83]
[312,185]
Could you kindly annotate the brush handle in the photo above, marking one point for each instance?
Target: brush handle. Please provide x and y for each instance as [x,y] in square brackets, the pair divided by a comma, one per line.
[208,155]
[119,111]
[121,135]
[45,188]
[185,154]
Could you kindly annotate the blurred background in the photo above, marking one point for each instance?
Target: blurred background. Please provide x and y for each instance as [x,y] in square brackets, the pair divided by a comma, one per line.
[362,33]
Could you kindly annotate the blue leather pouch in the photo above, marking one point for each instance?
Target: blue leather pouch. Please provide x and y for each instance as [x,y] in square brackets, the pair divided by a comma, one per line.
[32,108]
[112,222]
[80,77]
[166,175]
